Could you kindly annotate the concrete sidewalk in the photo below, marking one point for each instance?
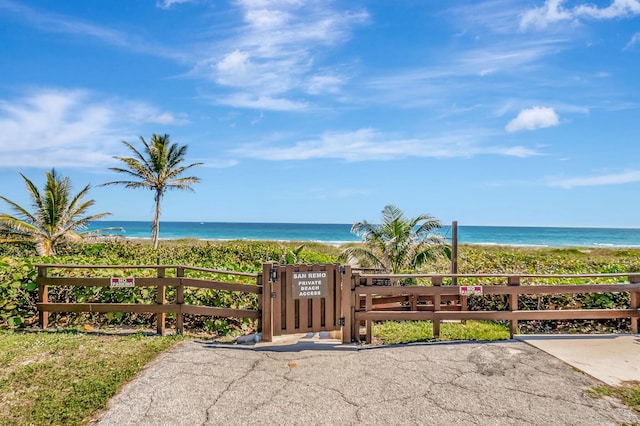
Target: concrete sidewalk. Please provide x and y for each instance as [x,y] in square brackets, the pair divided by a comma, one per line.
[611,358]
[315,381]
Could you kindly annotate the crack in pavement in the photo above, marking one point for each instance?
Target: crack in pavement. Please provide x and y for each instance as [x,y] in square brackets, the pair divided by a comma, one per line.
[508,383]
[227,388]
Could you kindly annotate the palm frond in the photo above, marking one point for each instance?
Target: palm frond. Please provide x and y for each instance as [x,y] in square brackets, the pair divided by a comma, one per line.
[56,214]
[398,244]
[21,211]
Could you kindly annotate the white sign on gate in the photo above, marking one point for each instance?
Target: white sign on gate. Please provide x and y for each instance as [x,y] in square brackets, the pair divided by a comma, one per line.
[309,284]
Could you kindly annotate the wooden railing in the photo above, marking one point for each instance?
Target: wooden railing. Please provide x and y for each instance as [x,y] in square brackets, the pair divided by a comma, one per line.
[161,281]
[437,302]
[365,298]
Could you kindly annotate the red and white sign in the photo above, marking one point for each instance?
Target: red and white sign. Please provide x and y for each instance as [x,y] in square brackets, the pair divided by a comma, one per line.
[470,290]
[122,282]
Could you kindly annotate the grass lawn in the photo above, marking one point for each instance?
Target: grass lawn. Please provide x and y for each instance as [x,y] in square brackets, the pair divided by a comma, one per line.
[629,395]
[394,332]
[65,377]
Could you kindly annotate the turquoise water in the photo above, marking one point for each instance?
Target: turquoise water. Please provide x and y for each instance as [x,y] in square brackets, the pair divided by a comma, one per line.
[340,233]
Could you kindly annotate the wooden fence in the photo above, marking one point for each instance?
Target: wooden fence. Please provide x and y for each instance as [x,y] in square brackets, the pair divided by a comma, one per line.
[165,276]
[357,300]
[375,300]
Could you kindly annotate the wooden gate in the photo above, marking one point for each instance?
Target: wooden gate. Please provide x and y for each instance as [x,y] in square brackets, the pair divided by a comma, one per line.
[301,299]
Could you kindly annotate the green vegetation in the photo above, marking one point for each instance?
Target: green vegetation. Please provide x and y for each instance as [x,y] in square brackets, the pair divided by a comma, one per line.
[391,332]
[399,244]
[57,217]
[65,377]
[629,394]
[18,291]
[158,169]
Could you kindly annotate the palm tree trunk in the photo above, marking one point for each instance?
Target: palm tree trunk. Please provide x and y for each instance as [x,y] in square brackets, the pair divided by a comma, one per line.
[155,230]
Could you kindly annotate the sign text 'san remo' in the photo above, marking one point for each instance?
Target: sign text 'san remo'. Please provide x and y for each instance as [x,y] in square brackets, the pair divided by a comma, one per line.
[309,284]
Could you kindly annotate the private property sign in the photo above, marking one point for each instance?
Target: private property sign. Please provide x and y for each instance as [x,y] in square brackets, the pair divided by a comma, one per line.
[470,290]
[122,282]
[309,284]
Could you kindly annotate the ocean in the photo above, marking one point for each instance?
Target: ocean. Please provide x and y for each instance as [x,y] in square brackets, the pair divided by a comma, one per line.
[341,233]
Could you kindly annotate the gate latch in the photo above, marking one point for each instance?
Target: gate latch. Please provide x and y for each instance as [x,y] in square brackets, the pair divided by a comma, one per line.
[273,275]
[341,321]
[274,295]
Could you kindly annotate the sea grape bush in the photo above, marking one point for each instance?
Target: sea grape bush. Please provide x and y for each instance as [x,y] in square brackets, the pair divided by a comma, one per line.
[554,261]
[18,292]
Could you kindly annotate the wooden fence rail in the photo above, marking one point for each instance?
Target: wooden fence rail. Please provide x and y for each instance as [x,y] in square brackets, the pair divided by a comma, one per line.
[437,302]
[358,298]
[161,281]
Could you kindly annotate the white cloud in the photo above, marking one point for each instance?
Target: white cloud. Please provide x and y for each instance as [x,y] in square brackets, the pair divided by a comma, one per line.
[233,68]
[277,51]
[612,179]
[318,84]
[635,39]
[515,151]
[550,13]
[617,9]
[57,23]
[166,4]
[247,100]
[218,163]
[553,12]
[533,118]
[493,16]
[370,144]
[49,127]
[63,24]
[266,18]
[455,79]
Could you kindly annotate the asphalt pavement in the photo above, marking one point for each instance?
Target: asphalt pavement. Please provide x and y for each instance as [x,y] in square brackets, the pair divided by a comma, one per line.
[310,380]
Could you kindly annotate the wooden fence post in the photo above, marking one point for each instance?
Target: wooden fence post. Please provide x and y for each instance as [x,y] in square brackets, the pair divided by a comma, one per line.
[347,311]
[634,299]
[513,305]
[454,252]
[355,306]
[161,297]
[260,285]
[267,302]
[369,323]
[437,301]
[43,297]
[634,296]
[180,301]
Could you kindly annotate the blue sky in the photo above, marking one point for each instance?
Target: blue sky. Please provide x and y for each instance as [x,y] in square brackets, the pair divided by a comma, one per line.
[488,113]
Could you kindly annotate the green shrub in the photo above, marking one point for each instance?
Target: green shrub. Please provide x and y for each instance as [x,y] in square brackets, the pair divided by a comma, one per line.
[18,293]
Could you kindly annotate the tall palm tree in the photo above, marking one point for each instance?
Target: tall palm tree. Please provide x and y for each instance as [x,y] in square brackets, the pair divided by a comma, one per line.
[157,168]
[57,216]
[398,244]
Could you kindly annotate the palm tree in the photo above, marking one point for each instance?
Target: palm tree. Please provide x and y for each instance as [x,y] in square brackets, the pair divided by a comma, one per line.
[158,168]
[398,244]
[57,217]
